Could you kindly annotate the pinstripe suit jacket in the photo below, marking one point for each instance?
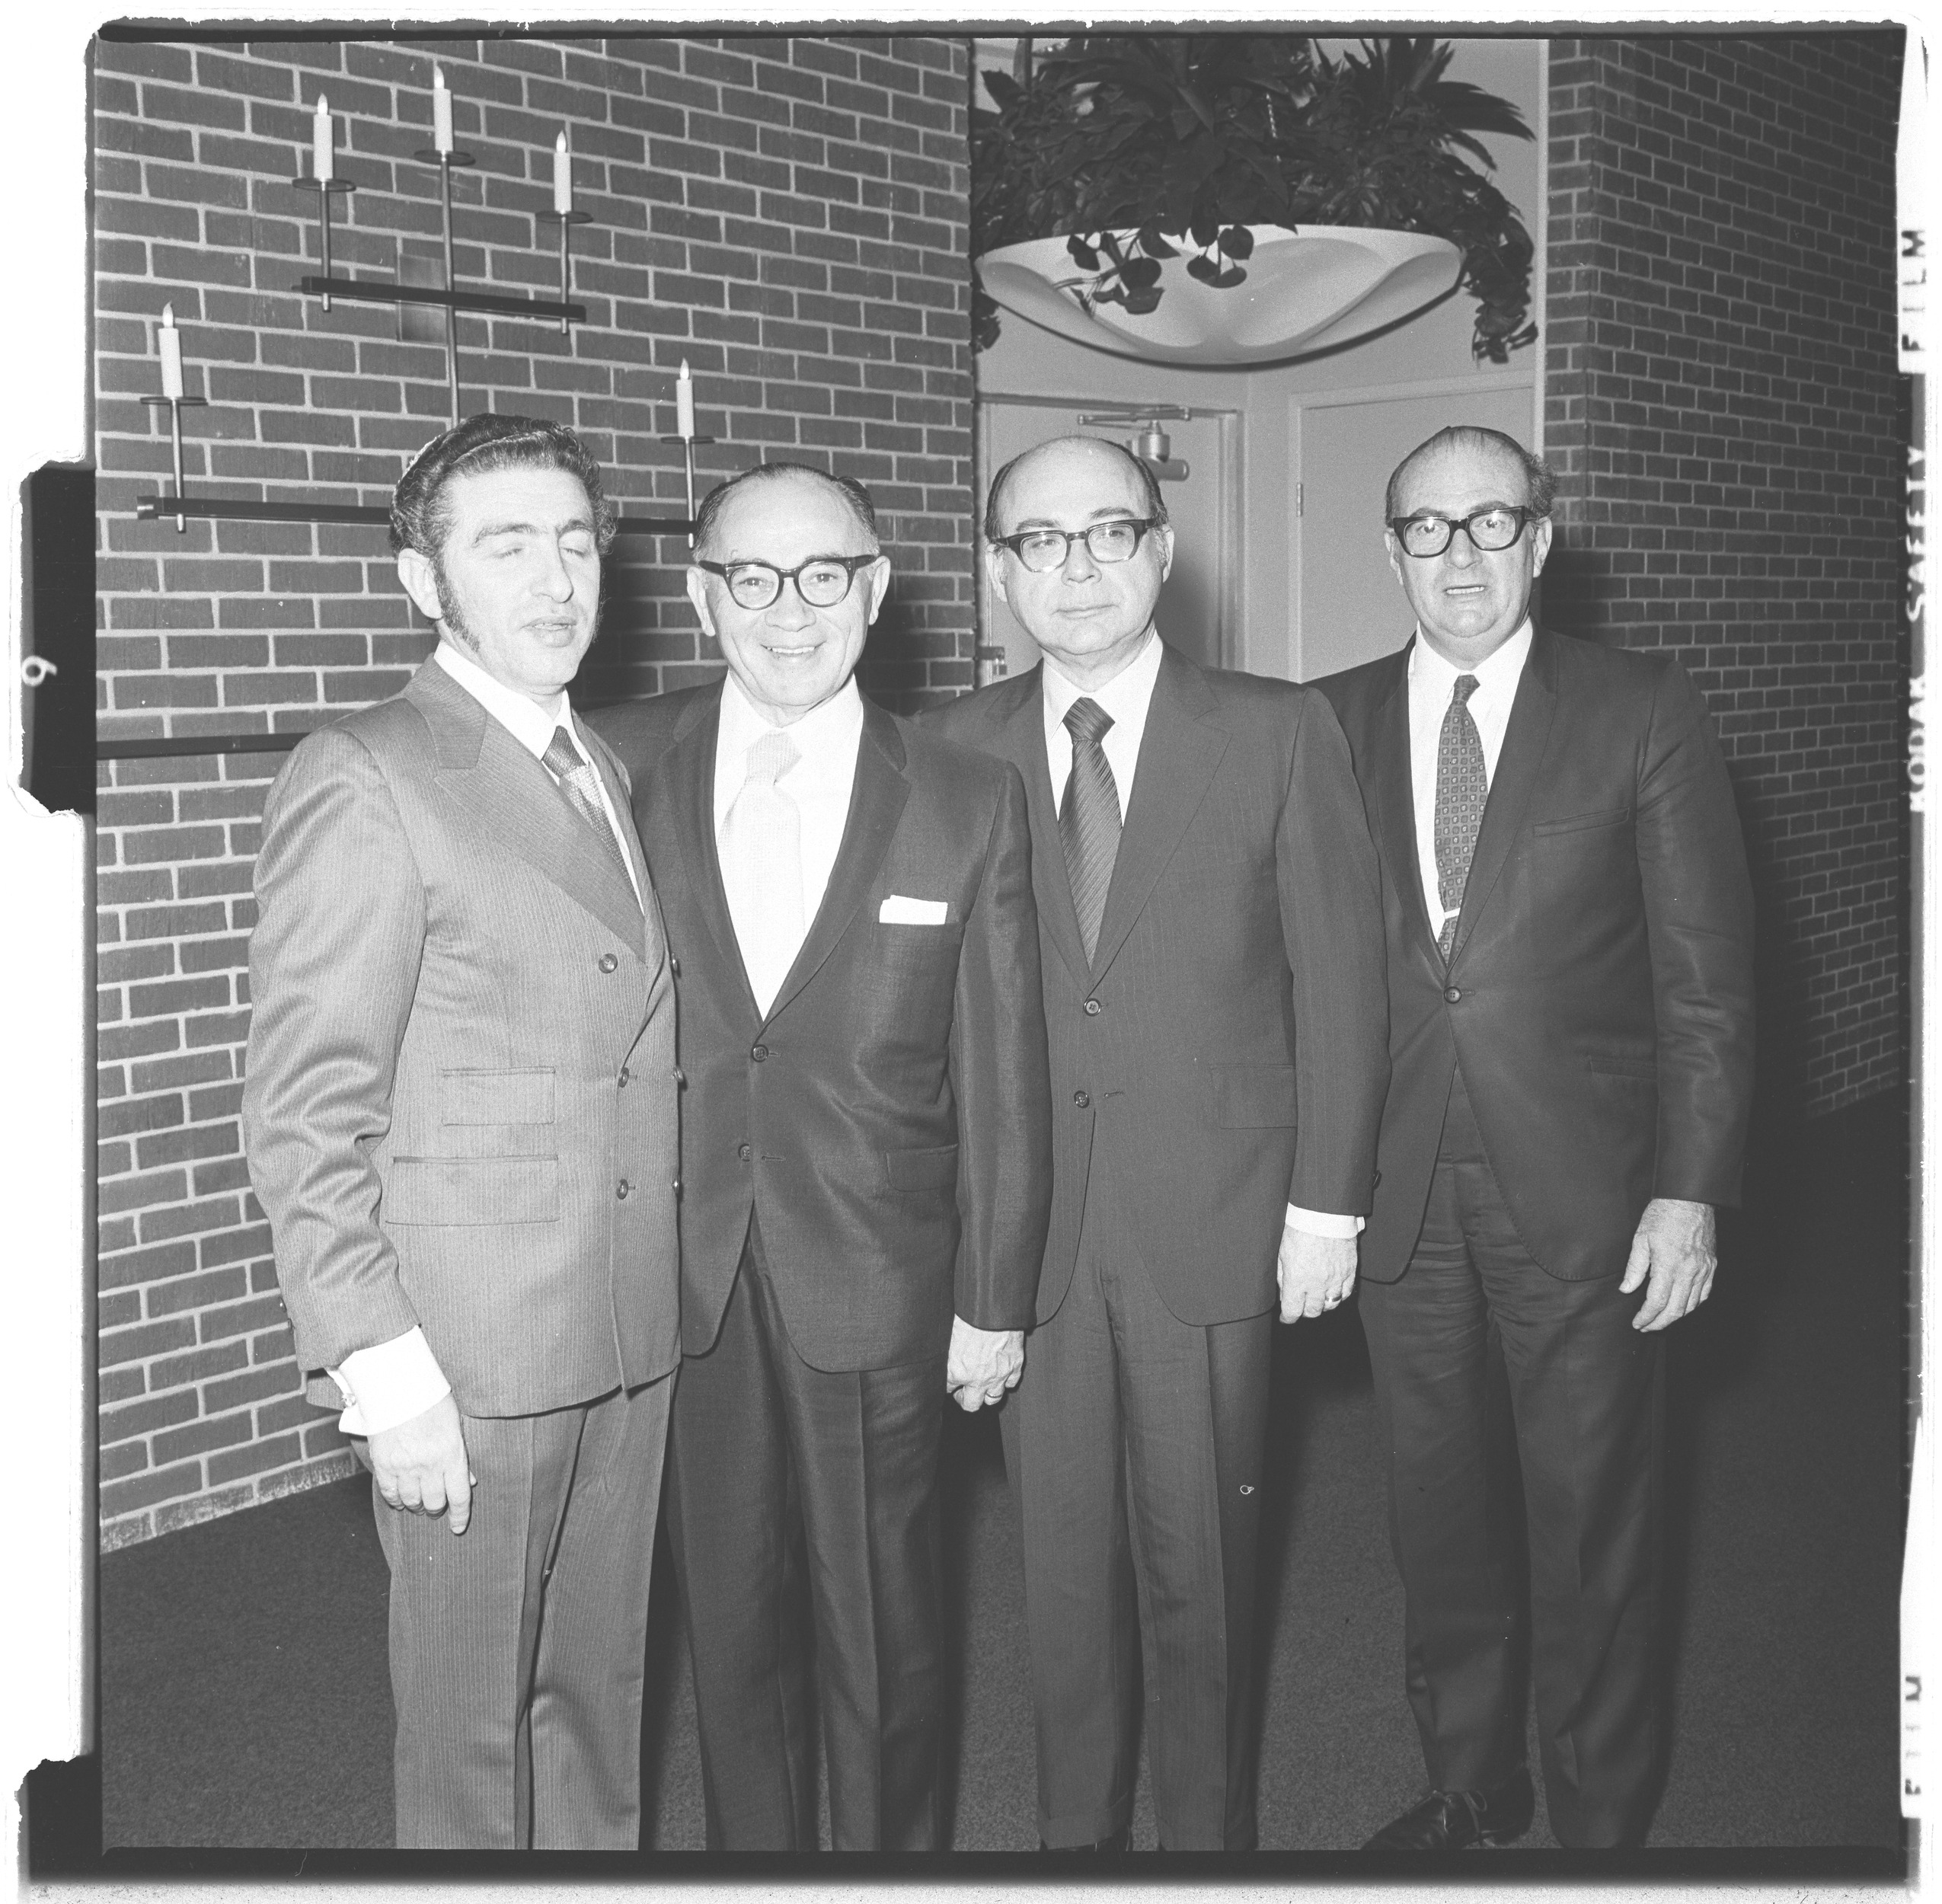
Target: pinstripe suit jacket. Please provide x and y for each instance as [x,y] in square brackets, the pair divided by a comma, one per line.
[460,1106]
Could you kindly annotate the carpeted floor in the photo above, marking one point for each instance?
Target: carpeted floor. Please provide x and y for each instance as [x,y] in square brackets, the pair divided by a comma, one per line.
[244,1700]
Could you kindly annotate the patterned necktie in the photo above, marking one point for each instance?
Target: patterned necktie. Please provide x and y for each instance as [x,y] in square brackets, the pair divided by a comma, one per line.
[582,787]
[761,864]
[1089,819]
[1462,787]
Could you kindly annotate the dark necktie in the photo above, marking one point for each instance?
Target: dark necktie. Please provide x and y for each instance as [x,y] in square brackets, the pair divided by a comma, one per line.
[1089,819]
[582,790]
[1462,787]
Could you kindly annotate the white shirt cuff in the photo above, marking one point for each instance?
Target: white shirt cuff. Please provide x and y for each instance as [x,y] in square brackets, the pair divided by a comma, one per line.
[1321,1223]
[388,1383]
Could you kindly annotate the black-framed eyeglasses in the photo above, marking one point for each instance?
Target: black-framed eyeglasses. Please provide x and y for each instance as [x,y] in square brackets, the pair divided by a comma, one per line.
[1042,549]
[822,581]
[1489,529]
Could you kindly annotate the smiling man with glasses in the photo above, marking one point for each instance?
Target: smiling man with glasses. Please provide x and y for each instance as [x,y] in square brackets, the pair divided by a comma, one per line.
[1570,1024]
[1212,947]
[865,1162]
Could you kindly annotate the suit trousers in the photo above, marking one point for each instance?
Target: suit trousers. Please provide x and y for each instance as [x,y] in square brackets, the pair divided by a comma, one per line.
[518,1648]
[1505,1394]
[1135,1445]
[803,1498]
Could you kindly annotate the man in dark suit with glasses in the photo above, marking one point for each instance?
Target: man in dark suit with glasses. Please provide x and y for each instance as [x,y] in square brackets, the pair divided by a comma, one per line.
[1570,930]
[1212,947]
[865,1162]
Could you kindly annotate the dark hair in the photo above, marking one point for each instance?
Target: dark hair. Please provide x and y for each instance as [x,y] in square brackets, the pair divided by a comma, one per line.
[421,514]
[1156,505]
[1537,472]
[852,492]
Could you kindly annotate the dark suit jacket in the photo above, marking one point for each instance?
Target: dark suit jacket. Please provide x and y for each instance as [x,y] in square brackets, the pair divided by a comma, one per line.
[888,1118]
[1599,995]
[461,1044]
[1226,1044]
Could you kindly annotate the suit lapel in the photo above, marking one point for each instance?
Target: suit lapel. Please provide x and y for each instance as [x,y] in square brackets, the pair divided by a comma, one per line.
[1179,754]
[1388,771]
[620,796]
[686,775]
[1516,777]
[507,791]
[1022,742]
[876,803]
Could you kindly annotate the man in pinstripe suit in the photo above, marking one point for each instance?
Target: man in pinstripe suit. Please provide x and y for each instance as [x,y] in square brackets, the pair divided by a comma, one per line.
[460,1117]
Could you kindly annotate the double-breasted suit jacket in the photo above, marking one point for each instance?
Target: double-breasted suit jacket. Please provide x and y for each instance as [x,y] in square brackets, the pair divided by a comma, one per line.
[460,1105]
[886,1117]
[1599,995]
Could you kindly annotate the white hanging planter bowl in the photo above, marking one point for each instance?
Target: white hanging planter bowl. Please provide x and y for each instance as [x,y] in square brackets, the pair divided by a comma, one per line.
[1304,291]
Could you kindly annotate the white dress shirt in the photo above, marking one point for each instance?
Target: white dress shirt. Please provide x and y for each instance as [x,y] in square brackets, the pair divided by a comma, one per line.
[819,783]
[389,1383]
[1127,697]
[1432,683]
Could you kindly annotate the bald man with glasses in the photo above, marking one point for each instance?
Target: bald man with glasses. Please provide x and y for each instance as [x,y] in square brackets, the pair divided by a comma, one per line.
[1211,940]
[1569,929]
[866,1161]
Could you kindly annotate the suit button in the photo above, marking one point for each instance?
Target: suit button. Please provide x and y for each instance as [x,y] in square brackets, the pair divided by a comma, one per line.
[674,965]
[625,1074]
[680,1076]
[677,1187]
[743,1152]
[1081,1099]
[1094,1007]
[608,962]
[621,1189]
[1451,995]
[758,1052]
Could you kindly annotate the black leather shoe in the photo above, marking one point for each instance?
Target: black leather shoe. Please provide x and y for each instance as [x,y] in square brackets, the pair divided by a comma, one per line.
[1461,1821]
[1121,1841]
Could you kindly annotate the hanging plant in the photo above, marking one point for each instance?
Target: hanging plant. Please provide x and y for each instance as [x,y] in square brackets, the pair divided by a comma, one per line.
[1136,147]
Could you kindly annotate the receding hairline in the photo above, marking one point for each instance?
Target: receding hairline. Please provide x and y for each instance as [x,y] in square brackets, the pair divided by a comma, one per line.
[1456,439]
[1095,447]
[763,477]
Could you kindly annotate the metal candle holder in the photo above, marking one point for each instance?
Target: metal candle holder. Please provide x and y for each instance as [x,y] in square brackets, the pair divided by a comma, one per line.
[566,221]
[445,161]
[176,406]
[688,443]
[325,189]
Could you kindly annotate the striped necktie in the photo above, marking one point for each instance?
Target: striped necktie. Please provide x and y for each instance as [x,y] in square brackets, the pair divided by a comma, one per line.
[1089,818]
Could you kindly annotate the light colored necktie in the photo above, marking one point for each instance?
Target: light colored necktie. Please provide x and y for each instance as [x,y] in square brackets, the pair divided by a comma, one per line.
[761,864]
[1089,817]
[582,788]
[1463,786]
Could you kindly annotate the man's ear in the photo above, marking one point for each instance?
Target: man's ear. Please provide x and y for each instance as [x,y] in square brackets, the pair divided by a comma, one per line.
[1395,549]
[995,571]
[1540,545]
[1165,534]
[697,593]
[420,580]
[879,585]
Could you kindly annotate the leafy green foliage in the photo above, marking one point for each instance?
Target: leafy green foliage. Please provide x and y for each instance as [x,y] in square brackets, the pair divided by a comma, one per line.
[1141,145]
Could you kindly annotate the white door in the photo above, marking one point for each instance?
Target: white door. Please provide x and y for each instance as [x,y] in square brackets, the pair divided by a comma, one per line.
[1195,612]
[1344,448]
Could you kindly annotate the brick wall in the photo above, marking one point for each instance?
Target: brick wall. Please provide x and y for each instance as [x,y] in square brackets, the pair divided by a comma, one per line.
[1722,401]
[787,215]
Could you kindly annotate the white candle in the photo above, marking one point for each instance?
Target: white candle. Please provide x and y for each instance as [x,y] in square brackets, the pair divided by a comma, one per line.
[563,176]
[168,340]
[441,112]
[684,403]
[323,142]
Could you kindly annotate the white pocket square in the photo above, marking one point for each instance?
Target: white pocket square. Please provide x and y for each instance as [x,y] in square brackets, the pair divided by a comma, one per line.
[897,910]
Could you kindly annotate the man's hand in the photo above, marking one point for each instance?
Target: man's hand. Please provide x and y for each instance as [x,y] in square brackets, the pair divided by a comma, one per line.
[420,1464]
[1673,1247]
[983,1364]
[1316,1272]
